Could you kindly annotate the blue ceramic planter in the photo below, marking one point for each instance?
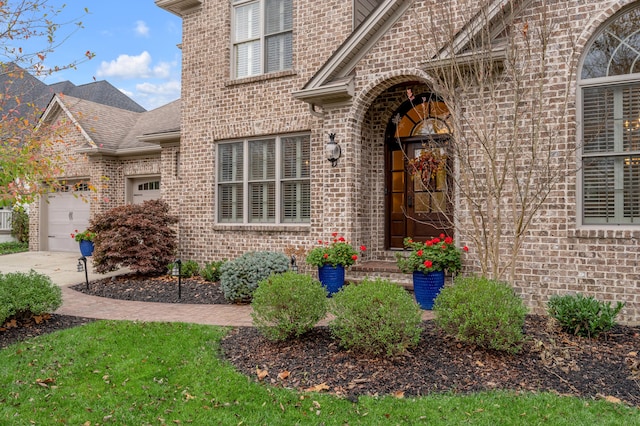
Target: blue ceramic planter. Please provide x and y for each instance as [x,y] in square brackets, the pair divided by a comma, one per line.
[86,248]
[426,287]
[332,278]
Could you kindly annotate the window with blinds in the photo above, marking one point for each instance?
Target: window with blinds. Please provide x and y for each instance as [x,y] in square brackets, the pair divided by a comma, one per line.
[610,146]
[610,154]
[263,37]
[270,184]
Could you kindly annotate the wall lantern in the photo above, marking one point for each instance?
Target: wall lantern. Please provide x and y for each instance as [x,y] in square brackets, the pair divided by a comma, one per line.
[333,150]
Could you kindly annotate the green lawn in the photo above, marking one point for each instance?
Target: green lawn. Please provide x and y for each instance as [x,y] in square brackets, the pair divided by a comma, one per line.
[8,248]
[132,373]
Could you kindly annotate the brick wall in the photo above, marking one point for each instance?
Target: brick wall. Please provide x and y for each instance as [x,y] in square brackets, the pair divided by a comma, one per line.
[557,256]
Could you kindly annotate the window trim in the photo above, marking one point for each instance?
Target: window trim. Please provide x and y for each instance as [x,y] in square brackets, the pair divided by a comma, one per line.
[582,84]
[278,180]
[262,37]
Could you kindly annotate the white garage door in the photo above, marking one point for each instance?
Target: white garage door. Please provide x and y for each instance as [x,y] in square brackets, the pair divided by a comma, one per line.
[65,214]
[143,189]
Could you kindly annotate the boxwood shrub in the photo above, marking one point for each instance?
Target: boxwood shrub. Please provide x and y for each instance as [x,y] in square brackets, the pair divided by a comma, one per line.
[288,305]
[375,317]
[483,312]
[24,294]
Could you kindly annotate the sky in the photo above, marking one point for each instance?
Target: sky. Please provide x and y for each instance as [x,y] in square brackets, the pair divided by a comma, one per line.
[135,45]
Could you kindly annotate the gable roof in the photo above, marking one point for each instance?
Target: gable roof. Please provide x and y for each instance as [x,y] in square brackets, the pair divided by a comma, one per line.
[115,131]
[333,82]
[17,82]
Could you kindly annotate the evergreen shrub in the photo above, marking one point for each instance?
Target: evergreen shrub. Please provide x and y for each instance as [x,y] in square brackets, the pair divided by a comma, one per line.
[25,294]
[483,312]
[239,277]
[375,317]
[211,270]
[583,316]
[288,305]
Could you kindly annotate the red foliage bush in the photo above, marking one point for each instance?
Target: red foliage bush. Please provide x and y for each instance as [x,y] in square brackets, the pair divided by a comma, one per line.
[137,236]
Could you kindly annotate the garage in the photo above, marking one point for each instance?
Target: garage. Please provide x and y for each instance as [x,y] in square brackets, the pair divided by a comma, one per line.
[144,189]
[64,212]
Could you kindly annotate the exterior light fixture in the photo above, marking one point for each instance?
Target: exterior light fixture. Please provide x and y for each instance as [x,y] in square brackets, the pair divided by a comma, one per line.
[176,271]
[82,266]
[294,265]
[332,150]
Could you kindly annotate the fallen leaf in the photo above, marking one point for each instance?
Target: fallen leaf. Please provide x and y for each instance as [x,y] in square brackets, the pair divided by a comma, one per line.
[261,374]
[612,399]
[399,394]
[318,388]
[283,375]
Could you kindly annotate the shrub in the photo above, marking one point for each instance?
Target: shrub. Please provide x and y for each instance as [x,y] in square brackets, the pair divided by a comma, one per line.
[211,270]
[483,312]
[138,236]
[288,305]
[376,318]
[188,269]
[20,224]
[23,294]
[583,316]
[239,278]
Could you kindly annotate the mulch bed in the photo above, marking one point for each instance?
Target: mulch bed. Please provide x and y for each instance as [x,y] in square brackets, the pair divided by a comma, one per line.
[550,360]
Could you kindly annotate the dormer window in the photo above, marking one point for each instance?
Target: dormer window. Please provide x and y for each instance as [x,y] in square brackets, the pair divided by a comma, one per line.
[262,37]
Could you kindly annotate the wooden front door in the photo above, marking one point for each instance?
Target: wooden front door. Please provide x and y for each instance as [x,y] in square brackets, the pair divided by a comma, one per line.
[417,207]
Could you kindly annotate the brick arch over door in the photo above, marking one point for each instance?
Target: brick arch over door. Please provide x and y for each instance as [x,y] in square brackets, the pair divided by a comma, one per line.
[368,134]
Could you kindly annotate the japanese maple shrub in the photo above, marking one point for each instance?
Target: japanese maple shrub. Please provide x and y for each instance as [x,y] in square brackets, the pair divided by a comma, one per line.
[375,317]
[483,312]
[25,294]
[239,277]
[288,305]
[138,236]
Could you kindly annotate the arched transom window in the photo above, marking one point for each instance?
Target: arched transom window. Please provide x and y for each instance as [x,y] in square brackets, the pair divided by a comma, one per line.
[610,134]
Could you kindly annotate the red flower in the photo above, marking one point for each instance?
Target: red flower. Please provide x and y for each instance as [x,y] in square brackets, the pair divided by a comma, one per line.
[448,240]
[319,241]
[325,255]
[363,248]
[428,264]
[419,253]
[334,234]
[341,239]
[435,240]
[429,243]
[73,235]
[354,257]
[442,236]
[465,248]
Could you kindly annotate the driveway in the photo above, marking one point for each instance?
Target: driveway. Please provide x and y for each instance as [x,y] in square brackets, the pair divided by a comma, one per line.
[61,267]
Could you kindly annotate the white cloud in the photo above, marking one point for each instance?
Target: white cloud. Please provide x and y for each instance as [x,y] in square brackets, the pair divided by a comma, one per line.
[126,66]
[129,67]
[142,29]
[168,88]
[155,95]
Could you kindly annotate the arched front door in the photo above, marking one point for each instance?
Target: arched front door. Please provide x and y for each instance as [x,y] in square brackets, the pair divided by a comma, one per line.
[418,172]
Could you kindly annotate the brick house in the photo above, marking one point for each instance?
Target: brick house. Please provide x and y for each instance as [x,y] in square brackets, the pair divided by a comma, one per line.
[110,157]
[266,81]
